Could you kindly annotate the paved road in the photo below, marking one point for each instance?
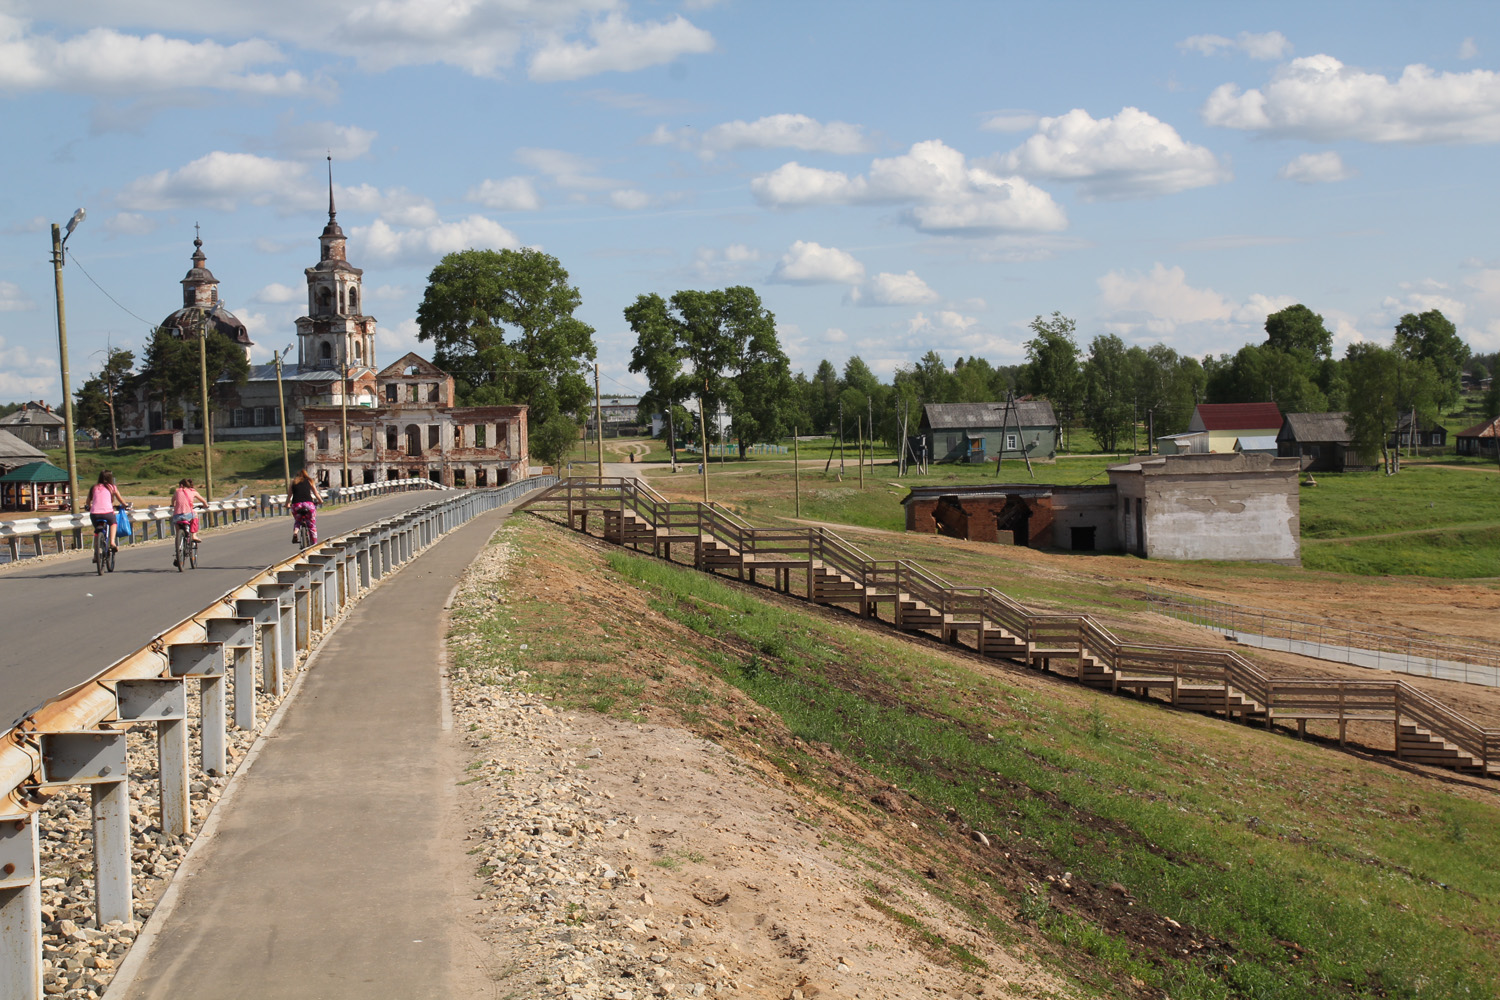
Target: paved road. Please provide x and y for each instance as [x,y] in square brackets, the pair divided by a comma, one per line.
[63,624]
[335,868]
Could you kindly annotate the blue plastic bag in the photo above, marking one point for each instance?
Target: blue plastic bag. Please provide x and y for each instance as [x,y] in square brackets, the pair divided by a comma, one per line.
[122,524]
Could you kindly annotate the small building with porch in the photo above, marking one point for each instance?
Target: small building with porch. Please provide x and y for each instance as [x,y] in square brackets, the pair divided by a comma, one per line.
[1481,439]
[985,432]
[34,486]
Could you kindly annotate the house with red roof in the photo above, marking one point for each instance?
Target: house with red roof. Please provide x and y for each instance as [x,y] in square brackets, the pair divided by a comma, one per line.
[1216,427]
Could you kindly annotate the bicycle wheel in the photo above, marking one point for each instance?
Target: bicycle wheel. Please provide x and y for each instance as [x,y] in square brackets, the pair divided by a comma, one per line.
[177,551]
[109,558]
[99,547]
[192,551]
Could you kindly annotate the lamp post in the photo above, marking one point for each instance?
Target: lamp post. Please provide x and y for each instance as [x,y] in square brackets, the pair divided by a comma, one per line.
[286,459]
[59,241]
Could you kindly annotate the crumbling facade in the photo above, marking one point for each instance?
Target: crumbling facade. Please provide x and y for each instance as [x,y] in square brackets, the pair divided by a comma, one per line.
[1233,507]
[415,432]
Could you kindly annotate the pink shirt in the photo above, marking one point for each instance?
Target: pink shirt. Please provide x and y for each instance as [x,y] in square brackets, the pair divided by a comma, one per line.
[183,500]
[101,499]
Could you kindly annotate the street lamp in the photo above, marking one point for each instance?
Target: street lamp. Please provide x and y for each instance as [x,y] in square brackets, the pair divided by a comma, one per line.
[59,241]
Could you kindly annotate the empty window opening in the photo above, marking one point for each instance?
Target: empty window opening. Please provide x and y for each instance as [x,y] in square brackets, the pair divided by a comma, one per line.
[433,435]
[1083,539]
[390,392]
[479,435]
[413,439]
[480,479]
[322,438]
[460,478]
[369,475]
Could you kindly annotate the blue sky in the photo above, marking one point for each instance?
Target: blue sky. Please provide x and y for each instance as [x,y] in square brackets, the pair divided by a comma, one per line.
[891,177]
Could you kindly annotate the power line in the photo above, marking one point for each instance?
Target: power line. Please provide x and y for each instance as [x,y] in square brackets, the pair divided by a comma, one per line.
[74,259]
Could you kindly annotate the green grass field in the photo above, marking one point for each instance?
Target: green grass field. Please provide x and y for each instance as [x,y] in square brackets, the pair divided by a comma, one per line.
[140,471]
[1294,871]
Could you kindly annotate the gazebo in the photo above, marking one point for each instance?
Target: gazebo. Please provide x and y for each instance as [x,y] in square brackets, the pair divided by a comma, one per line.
[34,487]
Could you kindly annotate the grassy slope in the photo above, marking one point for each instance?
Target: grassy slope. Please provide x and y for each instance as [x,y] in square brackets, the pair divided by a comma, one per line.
[1293,871]
[140,471]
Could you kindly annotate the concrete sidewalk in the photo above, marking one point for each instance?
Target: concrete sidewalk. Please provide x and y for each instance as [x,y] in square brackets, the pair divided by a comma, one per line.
[337,864]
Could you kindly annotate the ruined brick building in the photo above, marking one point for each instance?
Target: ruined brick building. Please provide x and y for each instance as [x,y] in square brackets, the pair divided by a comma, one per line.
[1236,506]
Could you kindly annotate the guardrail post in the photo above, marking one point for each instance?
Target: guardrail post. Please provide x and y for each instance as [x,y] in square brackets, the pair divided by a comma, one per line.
[237,636]
[325,577]
[283,658]
[20,908]
[301,632]
[383,560]
[205,662]
[97,759]
[362,563]
[265,612]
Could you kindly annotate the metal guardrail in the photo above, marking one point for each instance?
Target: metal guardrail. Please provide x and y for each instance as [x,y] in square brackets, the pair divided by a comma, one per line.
[838,571]
[67,532]
[1359,643]
[78,738]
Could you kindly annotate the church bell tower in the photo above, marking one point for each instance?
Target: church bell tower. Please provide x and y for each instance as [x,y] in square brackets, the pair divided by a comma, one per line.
[335,332]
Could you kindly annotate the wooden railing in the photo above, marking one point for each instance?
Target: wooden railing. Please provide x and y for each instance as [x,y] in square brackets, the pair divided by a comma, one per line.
[1131,665]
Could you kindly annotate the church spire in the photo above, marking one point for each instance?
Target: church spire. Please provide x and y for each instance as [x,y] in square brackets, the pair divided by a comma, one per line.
[331,212]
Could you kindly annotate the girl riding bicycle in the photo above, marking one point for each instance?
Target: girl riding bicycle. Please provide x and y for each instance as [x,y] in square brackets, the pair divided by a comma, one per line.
[184,499]
[103,497]
[305,499]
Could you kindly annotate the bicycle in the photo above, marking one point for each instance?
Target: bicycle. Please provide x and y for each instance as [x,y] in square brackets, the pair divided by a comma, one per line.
[303,530]
[184,547]
[104,554]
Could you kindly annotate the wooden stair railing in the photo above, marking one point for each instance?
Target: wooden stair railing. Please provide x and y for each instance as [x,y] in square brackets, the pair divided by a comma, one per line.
[1198,679]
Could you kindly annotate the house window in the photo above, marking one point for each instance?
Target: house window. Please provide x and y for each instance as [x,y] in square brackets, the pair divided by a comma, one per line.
[415,398]
[237,417]
[479,435]
[432,393]
[260,416]
[413,442]
[322,438]
[1010,442]
[458,435]
[390,438]
[390,392]
[432,435]
[1437,437]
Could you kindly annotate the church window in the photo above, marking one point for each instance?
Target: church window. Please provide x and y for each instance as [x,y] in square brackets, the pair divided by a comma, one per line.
[390,394]
[325,298]
[341,299]
[354,300]
[326,351]
[359,350]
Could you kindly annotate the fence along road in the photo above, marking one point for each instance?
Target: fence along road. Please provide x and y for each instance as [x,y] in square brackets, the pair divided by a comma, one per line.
[64,623]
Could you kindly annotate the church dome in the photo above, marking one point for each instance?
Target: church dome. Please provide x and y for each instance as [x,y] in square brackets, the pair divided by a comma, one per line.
[200,304]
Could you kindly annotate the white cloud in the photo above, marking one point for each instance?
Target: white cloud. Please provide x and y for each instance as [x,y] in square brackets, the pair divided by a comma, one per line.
[783,131]
[396,205]
[813,264]
[1268,45]
[1319,98]
[387,293]
[730,260]
[35,224]
[425,245]
[943,319]
[512,194]
[886,289]
[566,170]
[833,335]
[276,293]
[630,199]
[619,45]
[394,340]
[1422,296]
[1162,299]
[1010,121]
[1467,49]
[107,63]
[14,299]
[1316,168]
[24,375]
[220,181]
[314,140]
[944,192]
[1132,154]
[129,224]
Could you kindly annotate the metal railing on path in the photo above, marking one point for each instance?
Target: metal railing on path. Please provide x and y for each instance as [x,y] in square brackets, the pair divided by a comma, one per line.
[834,571]
[48,534]
[78,739]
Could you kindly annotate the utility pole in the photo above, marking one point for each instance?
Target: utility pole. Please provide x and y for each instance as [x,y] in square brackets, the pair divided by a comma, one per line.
[859,433]
[286,458]
[703,436]
[870,423]
[208,458]
[58,242]
[796,478]
[599,421]
[841,440]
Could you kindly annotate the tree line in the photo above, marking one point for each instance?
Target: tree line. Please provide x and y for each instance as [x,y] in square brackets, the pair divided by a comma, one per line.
[502,323]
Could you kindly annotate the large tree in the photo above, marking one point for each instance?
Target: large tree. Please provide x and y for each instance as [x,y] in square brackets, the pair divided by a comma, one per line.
[1298,330]
[94,402]
[1260,374]
[1384,385]
[1432,336]
[1109,392]
[1051,369]
[723,346]
[503,326]
[658,356]
[170,370]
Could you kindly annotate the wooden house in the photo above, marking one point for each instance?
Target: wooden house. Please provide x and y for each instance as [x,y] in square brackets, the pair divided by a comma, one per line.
[1411,433]
[14,452]
[1224,423]
[1321,440]
[1481,439]
[980,432]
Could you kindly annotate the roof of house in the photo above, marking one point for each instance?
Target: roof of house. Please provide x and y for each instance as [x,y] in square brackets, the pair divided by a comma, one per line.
[1332,428]
[1488,429]
[1256,442]
[36,472]
[411,363]
[29,416]
[1026,412]
[1403,422]
[12,447]
[1238,416]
